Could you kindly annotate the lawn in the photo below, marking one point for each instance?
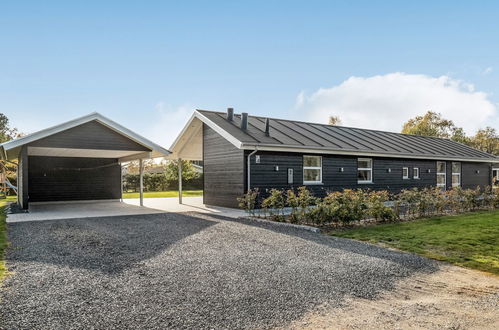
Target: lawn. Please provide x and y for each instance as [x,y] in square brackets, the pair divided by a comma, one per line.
[3,235]
[470,240]
[156,194]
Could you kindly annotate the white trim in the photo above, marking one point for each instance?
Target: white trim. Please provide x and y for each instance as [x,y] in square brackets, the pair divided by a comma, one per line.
[158,151]
[444,173]
[494,169]
[414,170]
[456,173]
[405,176]
[370,169]
[320,150]
[312,168]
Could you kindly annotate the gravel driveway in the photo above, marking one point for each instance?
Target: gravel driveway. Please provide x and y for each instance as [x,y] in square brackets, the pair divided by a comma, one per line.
[184,271]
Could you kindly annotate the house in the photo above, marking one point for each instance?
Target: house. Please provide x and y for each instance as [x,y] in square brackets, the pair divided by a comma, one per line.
[76,160]
[241,152]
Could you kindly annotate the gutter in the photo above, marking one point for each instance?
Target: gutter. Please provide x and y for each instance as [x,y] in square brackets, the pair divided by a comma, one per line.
[249,167]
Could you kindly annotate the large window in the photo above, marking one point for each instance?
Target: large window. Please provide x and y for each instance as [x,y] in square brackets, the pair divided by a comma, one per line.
[365,170]
[405,173]
[312,169]
[456,174]
[441,175]
[495,178]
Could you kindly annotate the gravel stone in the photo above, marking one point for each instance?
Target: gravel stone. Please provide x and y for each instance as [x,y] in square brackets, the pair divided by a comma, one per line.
[172,270]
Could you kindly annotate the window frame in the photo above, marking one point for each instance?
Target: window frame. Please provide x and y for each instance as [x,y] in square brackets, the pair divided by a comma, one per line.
[370,169]
[456,174]
[312,168]
[444,173]
[494,169]
[414,171]
[405,177]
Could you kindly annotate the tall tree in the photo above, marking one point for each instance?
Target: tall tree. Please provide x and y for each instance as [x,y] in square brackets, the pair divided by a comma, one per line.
[334,120]
[487,140]
[433,124]
[6,132]
[188,171]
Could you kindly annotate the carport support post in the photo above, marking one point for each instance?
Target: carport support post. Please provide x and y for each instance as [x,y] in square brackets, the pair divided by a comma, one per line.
[141,182]
[180,180]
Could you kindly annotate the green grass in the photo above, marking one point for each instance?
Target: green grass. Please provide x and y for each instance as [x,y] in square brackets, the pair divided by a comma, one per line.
[3,235]
[469,240]
[156,194]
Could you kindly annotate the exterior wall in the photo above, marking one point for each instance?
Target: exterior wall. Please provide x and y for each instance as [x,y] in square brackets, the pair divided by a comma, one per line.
[264,176]
[22,179]
[471,179]
[68,179]
[223,170]
[91,135]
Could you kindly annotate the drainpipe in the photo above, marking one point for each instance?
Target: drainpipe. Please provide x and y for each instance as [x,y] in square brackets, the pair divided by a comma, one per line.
[249,167]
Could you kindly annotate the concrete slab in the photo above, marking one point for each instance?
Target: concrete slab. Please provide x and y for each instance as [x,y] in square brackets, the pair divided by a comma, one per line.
[73,210]
[190,204]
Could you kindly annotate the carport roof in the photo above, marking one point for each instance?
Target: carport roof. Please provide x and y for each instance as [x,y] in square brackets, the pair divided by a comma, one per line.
[10,149]
[298,136]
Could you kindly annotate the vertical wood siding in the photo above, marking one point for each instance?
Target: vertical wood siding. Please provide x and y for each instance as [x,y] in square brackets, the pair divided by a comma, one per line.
[223,167]
[69,179]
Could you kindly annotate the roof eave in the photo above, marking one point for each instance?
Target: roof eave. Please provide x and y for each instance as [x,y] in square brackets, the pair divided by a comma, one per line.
[321,150]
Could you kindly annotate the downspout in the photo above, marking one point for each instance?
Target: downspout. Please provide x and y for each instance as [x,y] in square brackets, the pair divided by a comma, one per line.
[249,167]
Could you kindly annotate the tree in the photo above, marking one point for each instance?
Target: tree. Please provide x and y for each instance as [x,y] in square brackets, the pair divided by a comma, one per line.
[432,124]
[188,172]
[334,120]
[6,132]
[487,140]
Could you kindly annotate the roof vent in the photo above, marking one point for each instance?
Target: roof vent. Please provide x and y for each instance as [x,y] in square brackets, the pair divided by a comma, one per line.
[230,114]
[267,127]
[244,121]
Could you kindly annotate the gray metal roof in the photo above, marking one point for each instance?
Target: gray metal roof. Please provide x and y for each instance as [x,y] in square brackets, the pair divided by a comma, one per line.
[303,136]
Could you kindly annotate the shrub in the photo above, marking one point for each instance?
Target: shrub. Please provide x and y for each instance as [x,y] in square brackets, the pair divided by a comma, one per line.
[300,203]
[248,201]
[346,206]
[377,208]
[275,203]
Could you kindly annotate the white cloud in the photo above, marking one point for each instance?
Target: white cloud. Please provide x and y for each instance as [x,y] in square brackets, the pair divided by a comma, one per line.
[385,102]
[487,70]
[168,123]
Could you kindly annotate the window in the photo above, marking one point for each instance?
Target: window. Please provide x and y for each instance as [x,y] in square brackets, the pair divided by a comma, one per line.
[441,175]
[415,174]
[456,174]
[495,178]
[312,169]
[405,173]
[365,170]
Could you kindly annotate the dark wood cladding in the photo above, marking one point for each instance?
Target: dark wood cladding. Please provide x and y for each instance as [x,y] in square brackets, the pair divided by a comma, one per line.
[476,174]
[223,170]
[264,175]
[22,179]
[70,179]
[91,135]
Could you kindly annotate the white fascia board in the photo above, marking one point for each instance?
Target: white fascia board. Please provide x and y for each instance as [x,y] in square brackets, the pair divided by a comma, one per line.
[82,120]
[212,125]
[283,148]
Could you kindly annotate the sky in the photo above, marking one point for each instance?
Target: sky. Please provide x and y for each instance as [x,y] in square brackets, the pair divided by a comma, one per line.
[149,64]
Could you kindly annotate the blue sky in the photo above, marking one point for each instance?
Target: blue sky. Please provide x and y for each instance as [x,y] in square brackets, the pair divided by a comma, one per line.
[148,64]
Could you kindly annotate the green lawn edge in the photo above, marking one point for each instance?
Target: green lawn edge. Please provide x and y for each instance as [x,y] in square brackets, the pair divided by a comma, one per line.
[468,240]
[159,194]
[3,236]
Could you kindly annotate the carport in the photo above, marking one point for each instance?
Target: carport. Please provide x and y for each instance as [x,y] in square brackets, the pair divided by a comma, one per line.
[79,160]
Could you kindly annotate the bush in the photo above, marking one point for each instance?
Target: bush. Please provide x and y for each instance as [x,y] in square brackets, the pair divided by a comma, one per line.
[346,206]
[377,208]
[248,201]
[274,204]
